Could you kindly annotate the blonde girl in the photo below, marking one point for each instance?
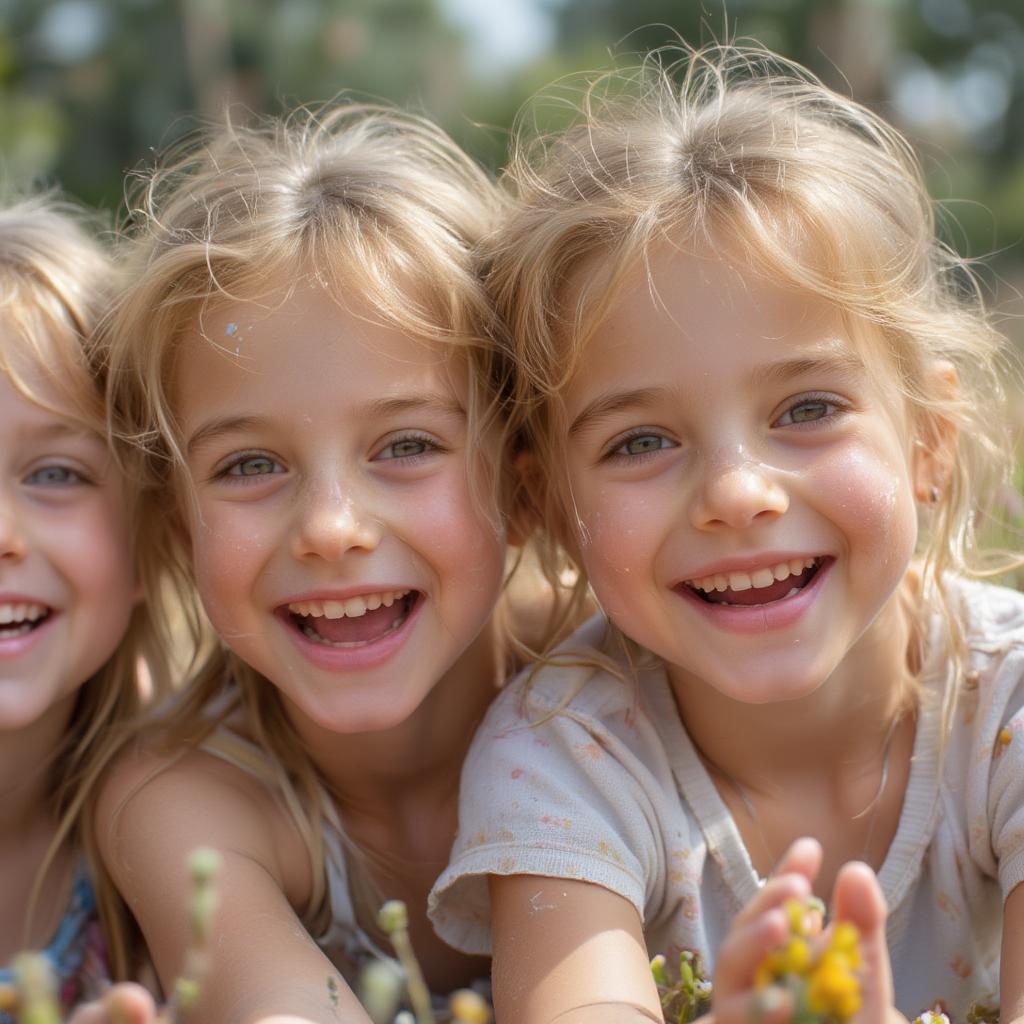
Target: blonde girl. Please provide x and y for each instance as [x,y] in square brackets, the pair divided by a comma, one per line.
[302,359]
[766,419]
[71,626]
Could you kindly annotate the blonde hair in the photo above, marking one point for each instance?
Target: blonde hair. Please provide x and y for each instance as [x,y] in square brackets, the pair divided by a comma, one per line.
[371,201]
[54,281]
[737,144]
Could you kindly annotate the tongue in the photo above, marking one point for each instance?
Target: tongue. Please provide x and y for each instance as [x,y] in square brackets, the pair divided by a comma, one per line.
[762,595]
[371,626]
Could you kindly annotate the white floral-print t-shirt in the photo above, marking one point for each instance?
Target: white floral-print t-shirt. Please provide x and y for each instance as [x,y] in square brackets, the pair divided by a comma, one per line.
[609,789]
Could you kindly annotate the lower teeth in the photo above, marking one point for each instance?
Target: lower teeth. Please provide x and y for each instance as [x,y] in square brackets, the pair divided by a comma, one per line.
[11,632]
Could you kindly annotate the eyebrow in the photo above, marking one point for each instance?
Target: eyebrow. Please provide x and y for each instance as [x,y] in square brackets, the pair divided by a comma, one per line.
[613,402]
[846,364]
[215,428]
[415,403]
[60,431]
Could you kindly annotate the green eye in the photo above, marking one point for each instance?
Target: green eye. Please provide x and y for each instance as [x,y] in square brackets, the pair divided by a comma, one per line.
[642,444]
[407,448]
[258,465]
[805,412]
[403,449]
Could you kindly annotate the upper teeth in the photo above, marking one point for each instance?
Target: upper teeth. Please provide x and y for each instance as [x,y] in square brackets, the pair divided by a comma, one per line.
[21,613]
[756,580]
[350,608]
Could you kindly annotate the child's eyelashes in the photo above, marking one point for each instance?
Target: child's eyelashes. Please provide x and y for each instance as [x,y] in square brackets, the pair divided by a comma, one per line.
[811,409]
[56,475]
[248,466]
[408,448]
[638,445]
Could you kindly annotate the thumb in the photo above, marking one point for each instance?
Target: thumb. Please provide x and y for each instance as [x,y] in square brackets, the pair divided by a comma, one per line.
[858,898]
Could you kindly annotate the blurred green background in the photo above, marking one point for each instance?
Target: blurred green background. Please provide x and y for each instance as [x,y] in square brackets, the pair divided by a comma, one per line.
[90,88]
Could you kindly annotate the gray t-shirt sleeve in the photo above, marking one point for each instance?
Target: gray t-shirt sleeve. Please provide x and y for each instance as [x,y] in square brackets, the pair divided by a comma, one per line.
[555,791]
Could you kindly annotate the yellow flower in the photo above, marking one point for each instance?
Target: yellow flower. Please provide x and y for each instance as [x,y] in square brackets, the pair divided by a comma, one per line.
[829,980]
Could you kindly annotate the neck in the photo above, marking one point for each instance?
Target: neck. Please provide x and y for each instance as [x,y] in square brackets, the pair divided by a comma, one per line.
[26,763]
[842,727]
[420,758]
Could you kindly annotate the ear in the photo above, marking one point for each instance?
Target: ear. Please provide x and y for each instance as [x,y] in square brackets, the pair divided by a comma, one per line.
[935,439]
[524,515]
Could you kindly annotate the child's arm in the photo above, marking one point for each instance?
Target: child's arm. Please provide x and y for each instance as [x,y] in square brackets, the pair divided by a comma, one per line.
[1011,963]
[570,952]
[263,962]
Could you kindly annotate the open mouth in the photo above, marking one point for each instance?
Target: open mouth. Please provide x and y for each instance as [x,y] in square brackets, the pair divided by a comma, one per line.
[17,620]
[763,586]
[355,621]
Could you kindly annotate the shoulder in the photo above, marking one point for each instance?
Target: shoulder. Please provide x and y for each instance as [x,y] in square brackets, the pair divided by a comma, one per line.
[992,616]
[157,805]
[589,676]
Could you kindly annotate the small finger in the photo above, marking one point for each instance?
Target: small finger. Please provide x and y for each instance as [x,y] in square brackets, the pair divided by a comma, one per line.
[773,1005]
[776,892]
[802,857]
[128,1003]
[857,897]
[89,1013]
[743,950]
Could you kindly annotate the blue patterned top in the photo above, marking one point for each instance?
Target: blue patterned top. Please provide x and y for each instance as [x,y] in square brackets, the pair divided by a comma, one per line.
[76,953]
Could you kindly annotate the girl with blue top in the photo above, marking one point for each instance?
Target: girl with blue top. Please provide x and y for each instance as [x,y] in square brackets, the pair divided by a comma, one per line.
[72,628]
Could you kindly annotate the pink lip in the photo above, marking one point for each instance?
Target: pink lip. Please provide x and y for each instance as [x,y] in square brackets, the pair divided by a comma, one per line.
[750,563]
[348,659]
[761,618]
[16,646]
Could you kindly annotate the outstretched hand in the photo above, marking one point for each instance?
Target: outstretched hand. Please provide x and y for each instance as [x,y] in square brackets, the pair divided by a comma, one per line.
[763,926]
[124,1003]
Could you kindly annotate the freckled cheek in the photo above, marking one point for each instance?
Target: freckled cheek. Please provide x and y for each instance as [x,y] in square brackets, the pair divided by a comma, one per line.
[617,532]
[228,553]
[872,500]
[456,535]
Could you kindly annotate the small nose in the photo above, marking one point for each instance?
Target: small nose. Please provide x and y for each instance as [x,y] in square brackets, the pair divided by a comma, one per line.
[332,522]
[738,493]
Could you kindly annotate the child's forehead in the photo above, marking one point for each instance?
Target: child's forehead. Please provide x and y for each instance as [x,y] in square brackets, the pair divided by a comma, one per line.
[710,295]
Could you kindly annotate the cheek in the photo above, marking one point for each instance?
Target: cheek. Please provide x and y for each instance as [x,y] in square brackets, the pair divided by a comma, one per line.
[107,583]
[458,535]
[872,498]
[225,558]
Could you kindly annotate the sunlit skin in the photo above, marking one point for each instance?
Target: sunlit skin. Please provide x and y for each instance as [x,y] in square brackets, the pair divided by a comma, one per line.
[329,460]
[723,424]
[64,546]
[328,457]
[67,591]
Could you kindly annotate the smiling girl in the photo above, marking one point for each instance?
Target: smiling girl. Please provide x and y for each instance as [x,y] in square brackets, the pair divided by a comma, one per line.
[71,626]
[765,413]
[302,358]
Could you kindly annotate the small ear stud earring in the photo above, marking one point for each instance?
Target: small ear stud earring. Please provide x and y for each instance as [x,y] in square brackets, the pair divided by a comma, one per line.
[934,494]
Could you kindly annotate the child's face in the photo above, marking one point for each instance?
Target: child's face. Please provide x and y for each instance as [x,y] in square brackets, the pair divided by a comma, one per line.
[338,546]
[741,479]
[66,579]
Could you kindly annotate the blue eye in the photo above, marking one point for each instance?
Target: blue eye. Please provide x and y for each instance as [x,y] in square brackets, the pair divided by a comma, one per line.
[54,476]
[253,465]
